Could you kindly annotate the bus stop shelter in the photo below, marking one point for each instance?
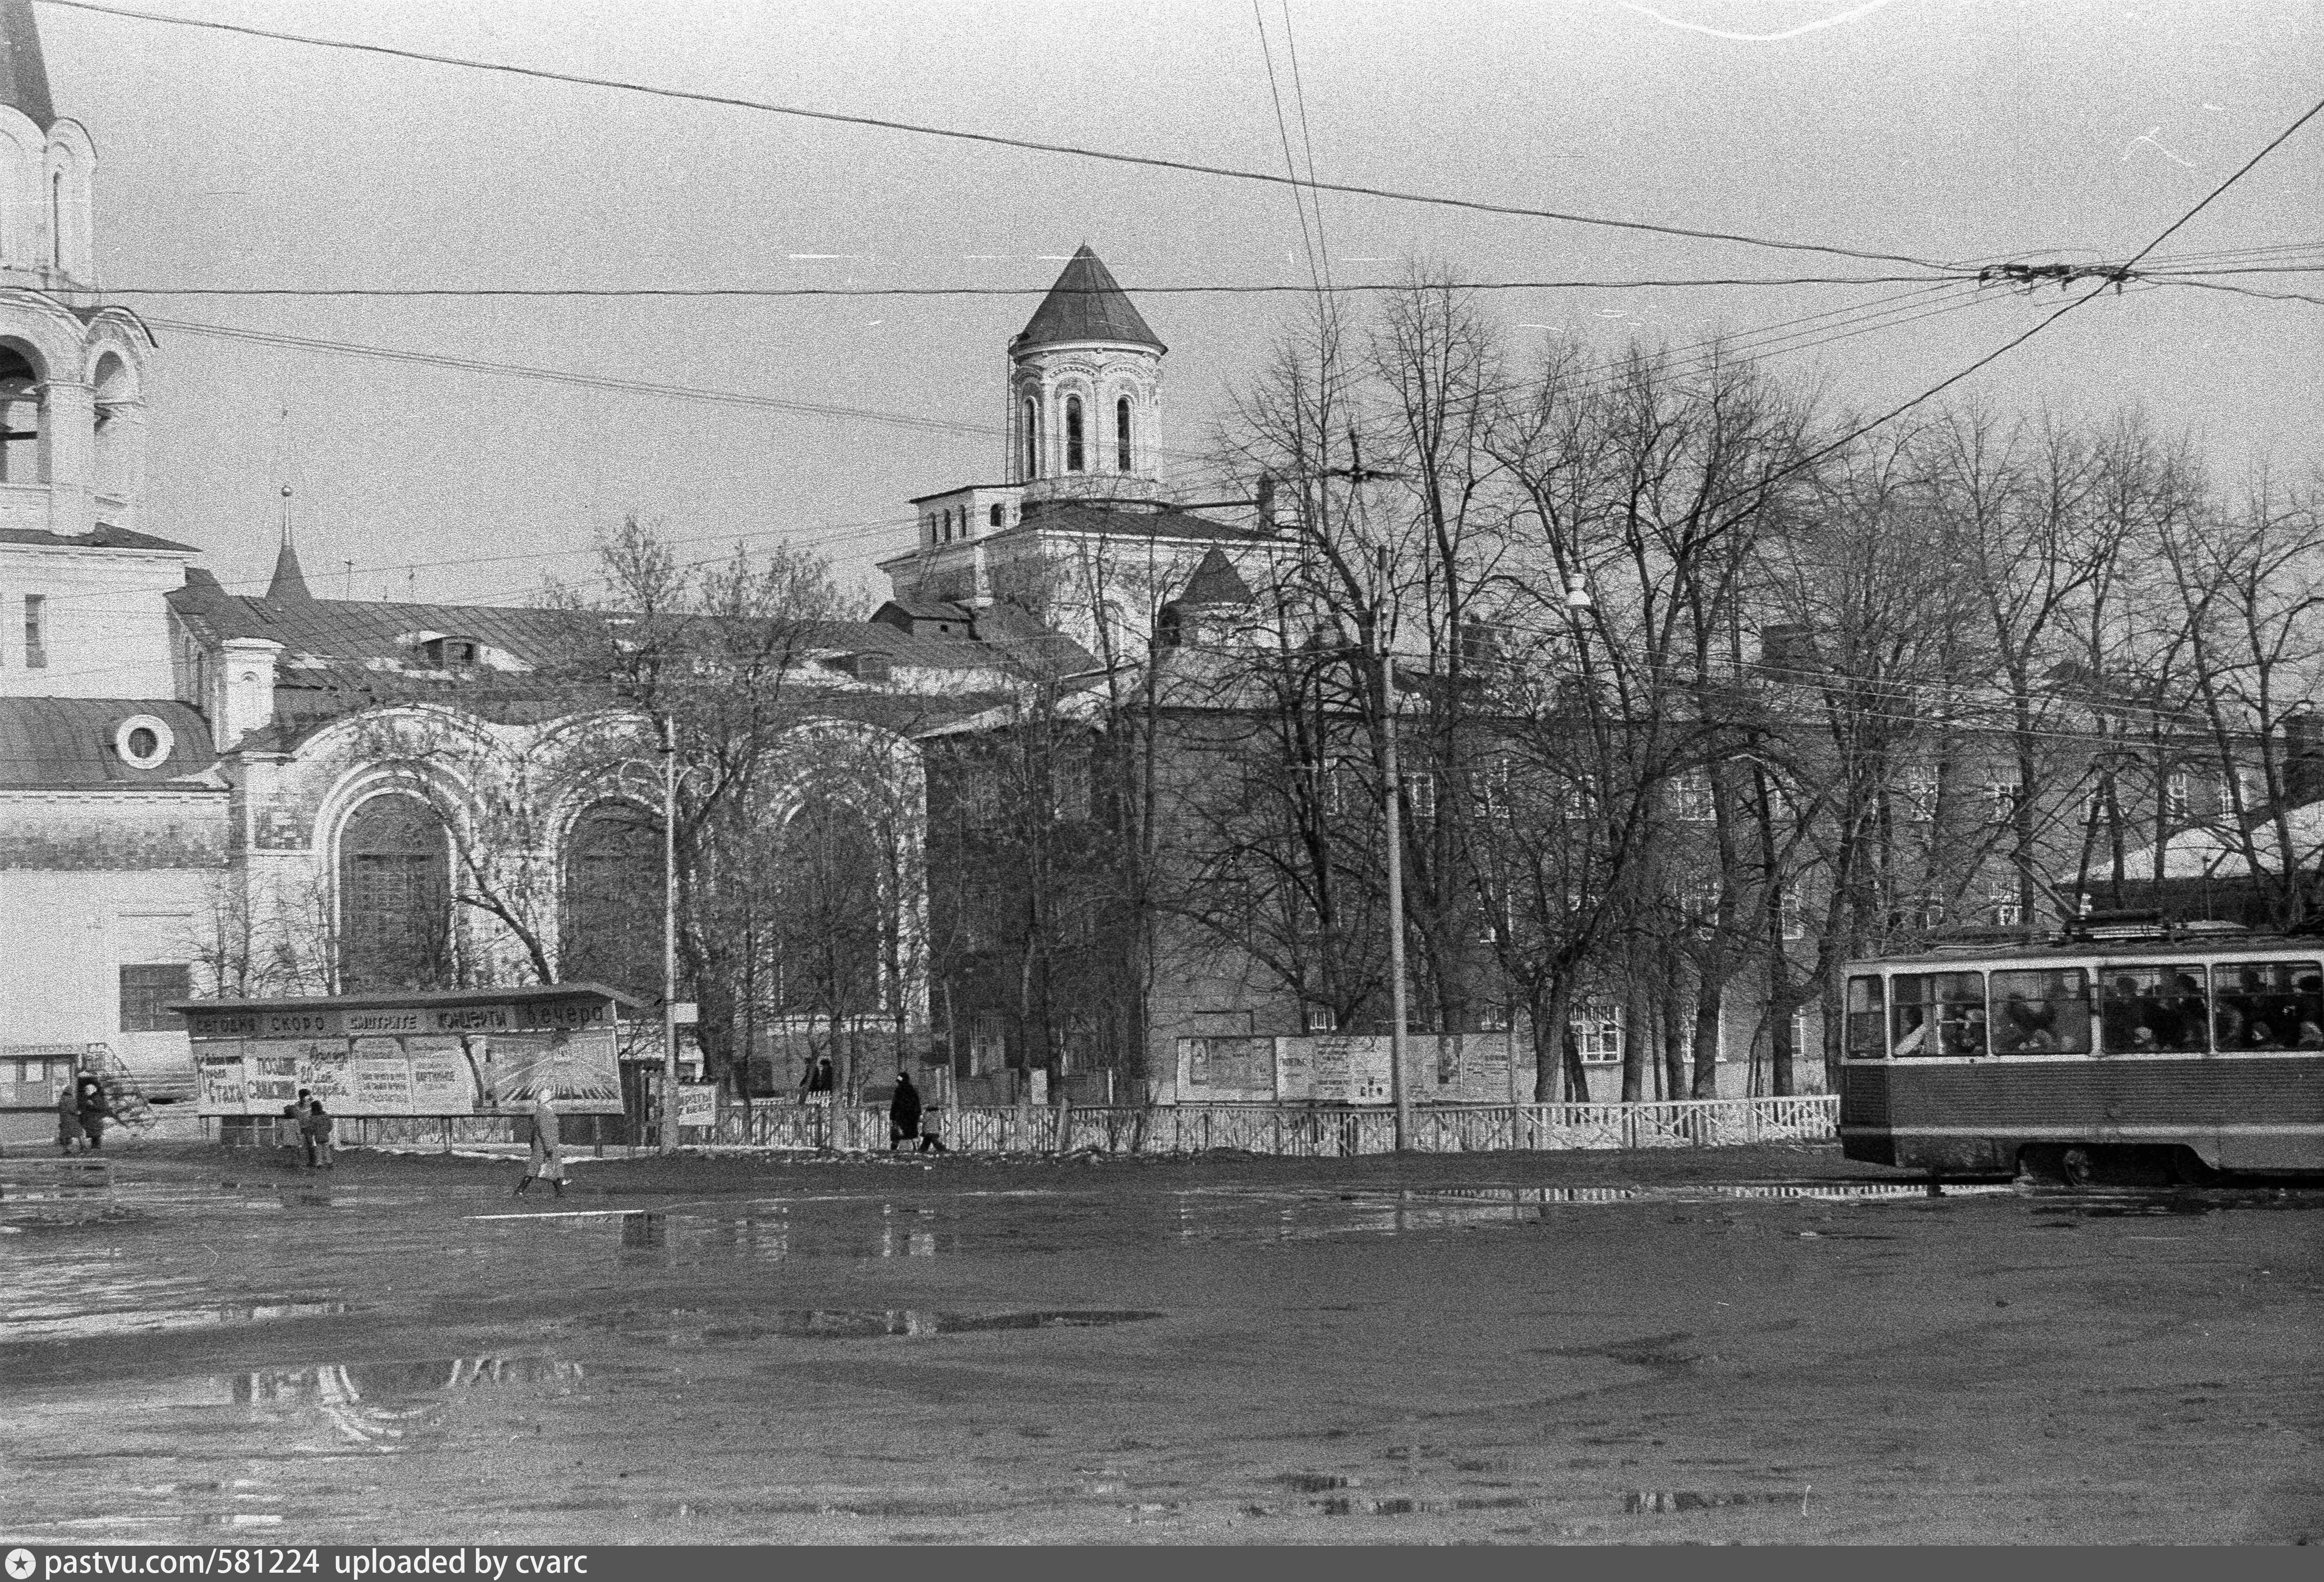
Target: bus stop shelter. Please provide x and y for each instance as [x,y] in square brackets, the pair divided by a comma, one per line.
[415,1066]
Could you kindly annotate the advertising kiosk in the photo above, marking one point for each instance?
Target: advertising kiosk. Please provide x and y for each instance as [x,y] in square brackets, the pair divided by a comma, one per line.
[417,1066]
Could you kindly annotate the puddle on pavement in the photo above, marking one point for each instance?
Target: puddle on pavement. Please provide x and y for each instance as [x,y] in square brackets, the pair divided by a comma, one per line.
[844,1324]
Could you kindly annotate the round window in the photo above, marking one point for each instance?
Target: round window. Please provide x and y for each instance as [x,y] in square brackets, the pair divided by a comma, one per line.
[143,742]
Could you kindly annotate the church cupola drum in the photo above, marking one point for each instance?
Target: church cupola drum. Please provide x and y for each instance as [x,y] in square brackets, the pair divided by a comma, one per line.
[1085,392]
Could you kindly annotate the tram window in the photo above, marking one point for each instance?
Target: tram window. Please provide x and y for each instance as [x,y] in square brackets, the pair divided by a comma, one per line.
[2268,1004]
[1939,1013]
[2042,1013]
[2155,1010]
[1865,1037]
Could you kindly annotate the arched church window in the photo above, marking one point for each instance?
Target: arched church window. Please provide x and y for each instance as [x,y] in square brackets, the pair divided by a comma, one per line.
[1074,459]
[995,516]
[1121,435]
[1032,440]
[947,526]
[23,419]
[395,897]
[610,931]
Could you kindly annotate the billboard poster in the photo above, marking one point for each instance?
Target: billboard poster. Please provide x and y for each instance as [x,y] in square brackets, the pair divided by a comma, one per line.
[442,1082]
[697,1104]
[381,1078]
[219,1086]
[273,1074]
[1234,1068]
[326,1068]
[578,1068]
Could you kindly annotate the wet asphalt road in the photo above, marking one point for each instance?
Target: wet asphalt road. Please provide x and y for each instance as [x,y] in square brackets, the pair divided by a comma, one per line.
[1767,1345]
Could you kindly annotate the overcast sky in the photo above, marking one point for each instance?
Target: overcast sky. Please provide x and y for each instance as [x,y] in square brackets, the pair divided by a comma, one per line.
[1949,129]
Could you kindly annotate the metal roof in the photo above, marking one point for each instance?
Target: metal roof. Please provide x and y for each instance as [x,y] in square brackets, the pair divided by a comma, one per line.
[106,536]
[1086,304]
[67,744]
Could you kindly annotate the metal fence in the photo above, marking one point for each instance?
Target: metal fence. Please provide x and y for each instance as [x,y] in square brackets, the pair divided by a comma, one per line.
[1301,1131]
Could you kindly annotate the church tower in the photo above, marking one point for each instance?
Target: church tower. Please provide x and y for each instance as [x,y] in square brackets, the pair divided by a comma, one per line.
[1085,392]
[79,579]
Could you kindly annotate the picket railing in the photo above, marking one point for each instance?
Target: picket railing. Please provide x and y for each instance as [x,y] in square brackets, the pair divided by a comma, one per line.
[1286,1131]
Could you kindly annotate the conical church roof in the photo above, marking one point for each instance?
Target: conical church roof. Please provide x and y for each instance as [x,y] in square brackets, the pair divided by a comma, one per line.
[289,584]
[24,75]
[1086,304]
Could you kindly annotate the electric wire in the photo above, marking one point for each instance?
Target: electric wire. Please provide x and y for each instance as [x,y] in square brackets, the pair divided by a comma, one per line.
[995,140]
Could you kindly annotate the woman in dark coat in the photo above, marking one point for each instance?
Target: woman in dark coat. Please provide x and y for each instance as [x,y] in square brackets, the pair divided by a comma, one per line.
[904,1113]
[93,1109]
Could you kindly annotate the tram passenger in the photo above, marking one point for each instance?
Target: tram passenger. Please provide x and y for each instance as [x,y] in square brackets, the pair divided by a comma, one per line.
[2193,1014]
[2120,1018]
[2024,1027]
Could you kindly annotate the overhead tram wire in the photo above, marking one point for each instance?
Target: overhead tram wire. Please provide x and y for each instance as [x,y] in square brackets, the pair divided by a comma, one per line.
[1782,337]
[1298,198]
[1255,289]
[997,140]
[2011,344]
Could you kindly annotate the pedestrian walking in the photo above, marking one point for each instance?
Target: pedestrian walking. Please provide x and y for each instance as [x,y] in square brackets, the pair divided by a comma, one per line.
[903,1113]
[932,1130]
[315,1130]
[93,1109]
[67,1114]
[548,1161]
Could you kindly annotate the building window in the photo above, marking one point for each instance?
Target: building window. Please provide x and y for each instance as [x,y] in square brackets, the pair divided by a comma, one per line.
[1919,793]
[147,992]
[993,516]
[1420,791]
[36,632]
[1315,1018]
[1121,435]
[57,222]
[23,414]
[612,926]
[1691,798]
[1800,1031]
[988,1044]
[2175,796]
[2002,797]
[1597,1032]
[1074,458]
[1790,914]
[1032,440]
[395,897]
[2007,903]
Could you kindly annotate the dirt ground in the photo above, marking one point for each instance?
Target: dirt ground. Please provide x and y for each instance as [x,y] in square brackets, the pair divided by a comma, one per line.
[1764,1345]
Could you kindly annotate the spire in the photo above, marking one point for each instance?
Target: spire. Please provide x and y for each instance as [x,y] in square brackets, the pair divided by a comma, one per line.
[24,75]
[289,584]
[1086,304]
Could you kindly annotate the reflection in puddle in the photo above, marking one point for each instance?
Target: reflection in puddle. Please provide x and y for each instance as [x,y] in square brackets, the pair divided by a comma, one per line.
[51,1323]
[1222,1213]
[374,1404]
[858,1324]
[1649,1500]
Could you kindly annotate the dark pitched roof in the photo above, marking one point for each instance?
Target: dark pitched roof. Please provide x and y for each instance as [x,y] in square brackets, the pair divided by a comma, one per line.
[1086,304]
[107,537]
[354,629]
[1216,582]
[289,584]
[1127,521]
[24,75]
[67,743]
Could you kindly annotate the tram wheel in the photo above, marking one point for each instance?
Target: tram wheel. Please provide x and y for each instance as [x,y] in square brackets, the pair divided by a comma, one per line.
[2078,1167]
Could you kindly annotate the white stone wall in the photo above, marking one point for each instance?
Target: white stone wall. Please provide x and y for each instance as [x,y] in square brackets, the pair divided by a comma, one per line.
[106,627]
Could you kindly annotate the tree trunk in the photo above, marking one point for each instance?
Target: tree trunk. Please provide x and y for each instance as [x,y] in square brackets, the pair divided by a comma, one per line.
[1707,998]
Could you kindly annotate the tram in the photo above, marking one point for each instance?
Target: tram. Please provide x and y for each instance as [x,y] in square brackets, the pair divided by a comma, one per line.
[2127,1051]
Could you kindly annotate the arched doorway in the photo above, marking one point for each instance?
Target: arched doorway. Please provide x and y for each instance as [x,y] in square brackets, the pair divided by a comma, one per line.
[395,897]
[611,931]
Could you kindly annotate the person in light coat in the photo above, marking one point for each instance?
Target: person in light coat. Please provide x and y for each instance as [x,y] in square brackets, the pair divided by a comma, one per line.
[548,1161]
